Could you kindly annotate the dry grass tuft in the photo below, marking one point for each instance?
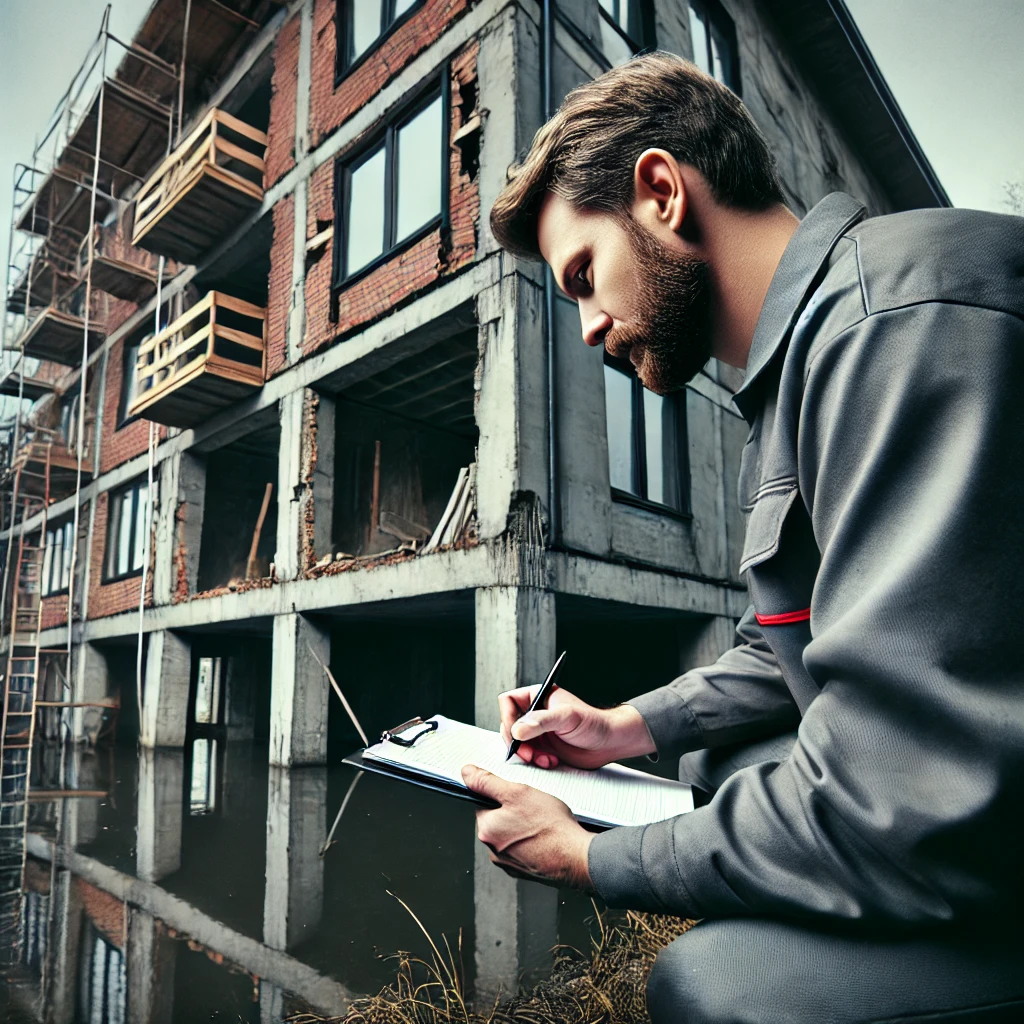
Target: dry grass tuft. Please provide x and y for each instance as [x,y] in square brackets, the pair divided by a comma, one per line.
[604,987]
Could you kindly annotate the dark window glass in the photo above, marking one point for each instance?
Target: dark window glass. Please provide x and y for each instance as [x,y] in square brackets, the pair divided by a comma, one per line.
[129,381]
[57,559]
[362,23]
[393,191]
[646,440]
[713,36]
[126,531]
[622,29]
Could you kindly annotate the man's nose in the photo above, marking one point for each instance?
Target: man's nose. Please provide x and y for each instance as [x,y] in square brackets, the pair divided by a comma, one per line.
[596,324]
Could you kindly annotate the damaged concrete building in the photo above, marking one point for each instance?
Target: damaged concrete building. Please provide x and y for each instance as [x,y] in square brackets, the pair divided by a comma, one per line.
[293,408]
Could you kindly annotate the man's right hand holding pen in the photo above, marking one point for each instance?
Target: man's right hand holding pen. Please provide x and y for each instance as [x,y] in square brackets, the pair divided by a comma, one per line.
[570,731]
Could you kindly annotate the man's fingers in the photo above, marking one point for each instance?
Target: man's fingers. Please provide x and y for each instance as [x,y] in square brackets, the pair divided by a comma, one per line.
[486,784]
[542,721]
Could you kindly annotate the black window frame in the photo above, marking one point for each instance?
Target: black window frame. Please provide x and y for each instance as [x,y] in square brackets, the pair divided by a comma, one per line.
[128,367]
[386,134]
[639,22]
[717,21]
[45,590]
[639,452]
[114,499]
[389,24]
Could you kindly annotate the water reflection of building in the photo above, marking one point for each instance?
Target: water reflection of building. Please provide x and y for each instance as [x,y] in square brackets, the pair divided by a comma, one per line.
[378,445]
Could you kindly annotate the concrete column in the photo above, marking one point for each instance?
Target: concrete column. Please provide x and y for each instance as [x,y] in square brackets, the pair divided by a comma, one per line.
[296,830]
[516,921]
[92,683]
[165,690]
[298,692]
[160,810]
[150,967]
[62,952]
[272,1003]
[290,484]
[83,815]
[179,526]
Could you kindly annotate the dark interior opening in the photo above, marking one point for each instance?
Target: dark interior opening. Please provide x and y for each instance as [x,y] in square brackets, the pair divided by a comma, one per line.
[237,476]
[402,436]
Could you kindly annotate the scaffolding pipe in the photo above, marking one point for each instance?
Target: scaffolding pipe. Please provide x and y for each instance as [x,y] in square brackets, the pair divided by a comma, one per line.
[83,386]
[181,74]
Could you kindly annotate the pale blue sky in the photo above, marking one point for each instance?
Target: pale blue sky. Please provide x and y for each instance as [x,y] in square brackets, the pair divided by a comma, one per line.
[955,67]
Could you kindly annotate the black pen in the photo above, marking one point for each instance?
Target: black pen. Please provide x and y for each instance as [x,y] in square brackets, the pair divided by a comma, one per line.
[542,695]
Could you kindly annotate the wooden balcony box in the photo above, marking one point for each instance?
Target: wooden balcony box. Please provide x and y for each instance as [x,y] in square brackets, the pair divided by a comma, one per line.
[57,336]
[119,269]
[32,458]
[203,190]
[209,358]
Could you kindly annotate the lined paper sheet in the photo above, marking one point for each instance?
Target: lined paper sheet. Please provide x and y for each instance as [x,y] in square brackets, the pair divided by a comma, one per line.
[613,795]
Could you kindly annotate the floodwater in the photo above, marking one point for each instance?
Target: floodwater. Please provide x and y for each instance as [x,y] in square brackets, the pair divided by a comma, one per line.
[196,887]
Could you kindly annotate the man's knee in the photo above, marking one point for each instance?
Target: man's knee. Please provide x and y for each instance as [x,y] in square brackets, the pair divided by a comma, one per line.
[684,984]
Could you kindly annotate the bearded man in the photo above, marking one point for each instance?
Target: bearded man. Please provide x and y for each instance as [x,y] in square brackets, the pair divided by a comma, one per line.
[864,867]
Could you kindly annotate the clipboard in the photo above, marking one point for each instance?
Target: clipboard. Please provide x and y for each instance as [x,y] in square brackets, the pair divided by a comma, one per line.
[599,800]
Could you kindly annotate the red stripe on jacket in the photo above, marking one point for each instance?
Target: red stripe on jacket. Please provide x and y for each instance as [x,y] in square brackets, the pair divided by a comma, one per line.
[783,618]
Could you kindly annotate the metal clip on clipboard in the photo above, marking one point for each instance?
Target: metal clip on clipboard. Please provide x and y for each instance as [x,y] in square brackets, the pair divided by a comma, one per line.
[415,725]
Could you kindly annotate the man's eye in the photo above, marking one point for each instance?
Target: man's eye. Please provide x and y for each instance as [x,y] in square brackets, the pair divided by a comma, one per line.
[580,281]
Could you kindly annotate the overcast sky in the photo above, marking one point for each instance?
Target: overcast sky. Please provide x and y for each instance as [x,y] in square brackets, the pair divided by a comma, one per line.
[955,67]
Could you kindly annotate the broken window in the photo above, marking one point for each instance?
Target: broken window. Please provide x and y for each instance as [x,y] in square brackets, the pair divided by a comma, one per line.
[405,440]
[362,24]
[713,36]
[646,440]
[127,517]
[393,191]
[57,559]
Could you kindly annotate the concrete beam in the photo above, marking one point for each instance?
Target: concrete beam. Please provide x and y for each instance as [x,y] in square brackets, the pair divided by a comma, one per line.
[296,829]
[299,692]
[161,800]
[166,690]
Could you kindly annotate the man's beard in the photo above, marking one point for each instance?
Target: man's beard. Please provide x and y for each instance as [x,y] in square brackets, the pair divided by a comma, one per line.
[668,340]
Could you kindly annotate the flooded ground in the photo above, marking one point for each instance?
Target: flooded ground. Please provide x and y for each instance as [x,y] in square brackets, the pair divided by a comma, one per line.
[197,887]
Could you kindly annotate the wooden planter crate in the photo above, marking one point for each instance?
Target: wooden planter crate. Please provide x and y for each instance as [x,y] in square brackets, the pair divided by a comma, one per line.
[31,459]
[203,190]
[117,269]
[209,358]
[57,336]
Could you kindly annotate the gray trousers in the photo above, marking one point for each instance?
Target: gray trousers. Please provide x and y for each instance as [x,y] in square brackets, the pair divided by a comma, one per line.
[764,971]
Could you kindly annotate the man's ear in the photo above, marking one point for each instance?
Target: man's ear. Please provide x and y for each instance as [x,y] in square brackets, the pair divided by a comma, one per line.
[660,193]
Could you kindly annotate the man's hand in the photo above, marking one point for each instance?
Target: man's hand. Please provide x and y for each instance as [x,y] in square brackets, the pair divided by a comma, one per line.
[571,730]
[530,833]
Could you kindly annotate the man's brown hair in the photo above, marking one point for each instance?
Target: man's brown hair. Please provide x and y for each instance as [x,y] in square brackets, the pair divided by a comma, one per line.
[586,152]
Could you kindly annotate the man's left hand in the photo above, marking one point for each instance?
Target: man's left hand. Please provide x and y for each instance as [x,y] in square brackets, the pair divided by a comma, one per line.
[531,833]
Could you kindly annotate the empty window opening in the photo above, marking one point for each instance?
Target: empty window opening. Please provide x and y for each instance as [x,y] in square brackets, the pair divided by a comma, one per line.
[404,440]
[240,511]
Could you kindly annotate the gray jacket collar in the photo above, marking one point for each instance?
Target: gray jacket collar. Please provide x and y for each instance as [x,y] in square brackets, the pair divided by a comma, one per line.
[798,273]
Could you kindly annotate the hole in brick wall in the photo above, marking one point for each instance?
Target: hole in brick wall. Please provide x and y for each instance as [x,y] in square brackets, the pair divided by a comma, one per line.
[401,439]
[469,144]
[236,484]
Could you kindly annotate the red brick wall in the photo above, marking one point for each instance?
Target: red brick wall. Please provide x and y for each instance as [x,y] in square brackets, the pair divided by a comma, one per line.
[117,446]
[105,911]
[55,610]
[330,107]
[280,285]
[280,156]
[121,595]
[413,269]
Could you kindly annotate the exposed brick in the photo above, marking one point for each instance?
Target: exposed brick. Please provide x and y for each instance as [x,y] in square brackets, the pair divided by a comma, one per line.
[106,912]
[279,288]
[331,107]
[280,156]
[414,268]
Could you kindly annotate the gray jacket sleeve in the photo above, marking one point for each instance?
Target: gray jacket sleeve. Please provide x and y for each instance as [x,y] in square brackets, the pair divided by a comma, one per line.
[901,797]
[741,697]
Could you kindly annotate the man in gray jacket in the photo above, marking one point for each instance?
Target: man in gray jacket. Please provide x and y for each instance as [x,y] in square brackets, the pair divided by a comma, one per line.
[865,867]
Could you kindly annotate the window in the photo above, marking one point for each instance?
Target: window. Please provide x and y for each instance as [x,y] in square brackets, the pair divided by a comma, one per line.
[129,381]
[362,24]
[126,531]
[103,990]
[57,559]
[393,192]
[714,42]
[622,29]
[207,718]
[646,441]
